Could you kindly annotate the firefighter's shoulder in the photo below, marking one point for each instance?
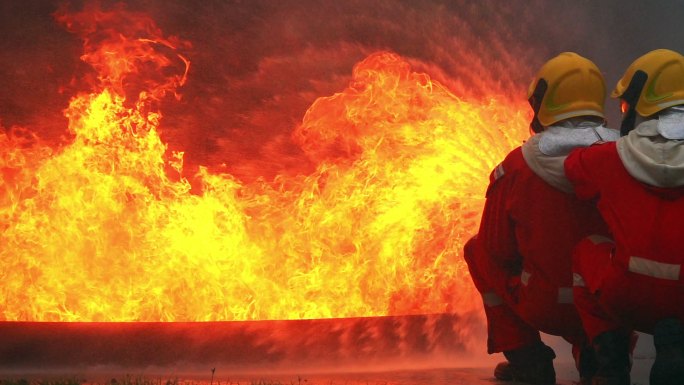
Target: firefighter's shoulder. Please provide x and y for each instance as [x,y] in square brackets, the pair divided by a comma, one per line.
[600,143]
[507,166]
[497,173]
[598,149]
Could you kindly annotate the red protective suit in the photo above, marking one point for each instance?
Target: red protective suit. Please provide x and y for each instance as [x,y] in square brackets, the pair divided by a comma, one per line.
[520,261]
[637,279]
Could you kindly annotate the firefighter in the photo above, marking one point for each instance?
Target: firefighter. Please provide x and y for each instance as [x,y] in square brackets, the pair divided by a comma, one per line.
[520,260]
[633,280]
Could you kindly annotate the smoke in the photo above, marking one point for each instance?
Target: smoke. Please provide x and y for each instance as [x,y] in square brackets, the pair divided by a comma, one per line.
[258,65]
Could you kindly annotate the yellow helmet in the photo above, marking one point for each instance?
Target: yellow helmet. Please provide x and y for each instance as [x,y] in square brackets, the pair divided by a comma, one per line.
[566,86]
[661,74]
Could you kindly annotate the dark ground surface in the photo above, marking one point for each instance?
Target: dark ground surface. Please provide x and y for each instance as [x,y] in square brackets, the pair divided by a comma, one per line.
[286,352]
[479,372]
[439,376]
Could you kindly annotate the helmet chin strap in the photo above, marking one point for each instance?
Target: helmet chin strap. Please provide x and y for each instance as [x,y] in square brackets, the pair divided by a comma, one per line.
[628,120]
[536,102]
[631,96]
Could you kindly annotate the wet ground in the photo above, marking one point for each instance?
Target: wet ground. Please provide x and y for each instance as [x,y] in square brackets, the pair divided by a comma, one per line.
[566,375]
[473,366]
[444,376]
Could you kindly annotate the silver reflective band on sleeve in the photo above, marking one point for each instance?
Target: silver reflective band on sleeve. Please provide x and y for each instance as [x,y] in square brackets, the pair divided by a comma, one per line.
[565,295]
[596,239]
[525,277]
[654,269]
[577,280]
[499,171]
[491,299]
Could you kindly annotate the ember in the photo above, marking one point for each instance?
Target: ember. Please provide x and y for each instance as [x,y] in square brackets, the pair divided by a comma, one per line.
[109,227]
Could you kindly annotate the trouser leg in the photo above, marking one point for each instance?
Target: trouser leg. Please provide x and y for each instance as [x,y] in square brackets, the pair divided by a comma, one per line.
[591,263]
[610,340]
[505,329]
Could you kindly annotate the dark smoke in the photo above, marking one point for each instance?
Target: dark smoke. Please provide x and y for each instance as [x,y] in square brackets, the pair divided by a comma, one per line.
[258,65]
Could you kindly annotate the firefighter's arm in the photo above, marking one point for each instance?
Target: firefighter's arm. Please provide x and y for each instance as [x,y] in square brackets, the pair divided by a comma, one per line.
[497,230]
[579,174]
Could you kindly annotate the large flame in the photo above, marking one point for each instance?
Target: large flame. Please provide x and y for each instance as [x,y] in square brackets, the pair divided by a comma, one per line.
[108,228]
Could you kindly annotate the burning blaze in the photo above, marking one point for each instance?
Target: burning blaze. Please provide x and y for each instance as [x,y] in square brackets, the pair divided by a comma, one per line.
[108,228]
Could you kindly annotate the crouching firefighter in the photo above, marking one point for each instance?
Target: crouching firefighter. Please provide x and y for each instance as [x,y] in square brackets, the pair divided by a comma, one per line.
[634,280]
[520,260]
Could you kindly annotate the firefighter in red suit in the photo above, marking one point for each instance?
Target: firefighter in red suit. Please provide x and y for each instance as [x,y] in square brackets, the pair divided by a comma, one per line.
[520,260]
[633,280]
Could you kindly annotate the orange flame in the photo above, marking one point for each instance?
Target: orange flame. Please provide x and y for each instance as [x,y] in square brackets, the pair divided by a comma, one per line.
[107,229]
